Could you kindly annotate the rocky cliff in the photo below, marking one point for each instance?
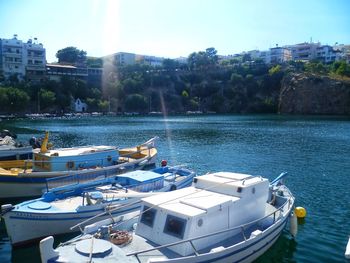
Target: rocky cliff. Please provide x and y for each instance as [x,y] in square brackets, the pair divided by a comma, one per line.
[311,94]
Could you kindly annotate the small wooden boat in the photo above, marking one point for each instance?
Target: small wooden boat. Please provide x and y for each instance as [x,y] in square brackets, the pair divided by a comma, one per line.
[92,161]
[223,217]
[63,207]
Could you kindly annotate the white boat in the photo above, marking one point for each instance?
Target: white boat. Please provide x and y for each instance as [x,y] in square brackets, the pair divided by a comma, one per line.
[347,250]
[63,207]
[223,217]
[90,161]
[10,149]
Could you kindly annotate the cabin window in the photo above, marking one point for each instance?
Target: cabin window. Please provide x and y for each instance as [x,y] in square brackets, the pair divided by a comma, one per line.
[175,226]
[148,216]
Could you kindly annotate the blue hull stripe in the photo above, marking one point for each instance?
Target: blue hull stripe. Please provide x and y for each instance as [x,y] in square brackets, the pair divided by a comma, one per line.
[70,218]
[252,244]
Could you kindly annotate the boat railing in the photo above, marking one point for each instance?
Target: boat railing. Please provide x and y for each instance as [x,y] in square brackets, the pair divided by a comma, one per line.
[148,145]
[276,215]
[75,179]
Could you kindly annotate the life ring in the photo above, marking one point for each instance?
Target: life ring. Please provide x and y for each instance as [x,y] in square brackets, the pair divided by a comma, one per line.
[173,187]
[120,237]
[70,165]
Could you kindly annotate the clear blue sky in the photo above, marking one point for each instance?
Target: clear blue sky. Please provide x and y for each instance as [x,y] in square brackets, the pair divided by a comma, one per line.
[173,28]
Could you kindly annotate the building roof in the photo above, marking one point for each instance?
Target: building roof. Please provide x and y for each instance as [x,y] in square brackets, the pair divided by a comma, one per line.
[52,65]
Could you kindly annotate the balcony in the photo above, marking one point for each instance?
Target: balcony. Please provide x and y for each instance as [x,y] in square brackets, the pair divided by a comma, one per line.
[11,53]
[36,67]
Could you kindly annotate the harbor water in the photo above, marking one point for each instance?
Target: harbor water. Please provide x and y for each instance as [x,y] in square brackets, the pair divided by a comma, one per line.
[315,151]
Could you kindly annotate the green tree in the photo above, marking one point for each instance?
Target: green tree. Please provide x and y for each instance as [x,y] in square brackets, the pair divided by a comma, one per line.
[4,100]
[93,62]
[136,102]
[13,99]
[71,55]
[92,104]
[246,57]
[132,85]
[203,59]
[236,79]
[343,69]
[47,99]
[274,70]
[103,105]
[212,55]
[170,64]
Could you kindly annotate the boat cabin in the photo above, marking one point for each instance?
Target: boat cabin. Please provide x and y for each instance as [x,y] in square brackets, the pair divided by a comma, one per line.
[214,203]
[75,158]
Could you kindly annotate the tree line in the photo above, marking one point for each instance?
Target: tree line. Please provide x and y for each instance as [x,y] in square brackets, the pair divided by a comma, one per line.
[203,84]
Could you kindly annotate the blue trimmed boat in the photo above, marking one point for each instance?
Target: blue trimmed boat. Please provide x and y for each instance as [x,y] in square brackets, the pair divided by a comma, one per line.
[63,207]
[223,217]
[90,161]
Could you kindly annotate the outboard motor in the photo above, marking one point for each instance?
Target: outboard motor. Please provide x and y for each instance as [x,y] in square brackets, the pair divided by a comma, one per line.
[34,142]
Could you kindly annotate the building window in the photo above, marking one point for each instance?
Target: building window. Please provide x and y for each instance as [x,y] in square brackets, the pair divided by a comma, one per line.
[148,216]
[175,226]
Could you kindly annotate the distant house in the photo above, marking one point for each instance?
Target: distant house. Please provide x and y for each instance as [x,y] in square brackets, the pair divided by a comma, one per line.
[80,106]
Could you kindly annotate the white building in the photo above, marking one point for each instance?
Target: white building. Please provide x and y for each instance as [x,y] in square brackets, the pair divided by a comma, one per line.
[149,60]
[304,51]
[24,60]
[327,54]
[280,55]
[124,58]
[344,52]
[80,106]
[35,59]
[56,71]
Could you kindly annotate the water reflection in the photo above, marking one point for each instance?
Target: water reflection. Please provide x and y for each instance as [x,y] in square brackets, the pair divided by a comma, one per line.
[282,251]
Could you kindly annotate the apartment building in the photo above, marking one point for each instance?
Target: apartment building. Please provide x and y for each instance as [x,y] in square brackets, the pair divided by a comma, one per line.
[344,52]
[304,51]
[22,60]
[280,55]
[149,60]
[35,59]
[124,58]
[56,71]
[327,54]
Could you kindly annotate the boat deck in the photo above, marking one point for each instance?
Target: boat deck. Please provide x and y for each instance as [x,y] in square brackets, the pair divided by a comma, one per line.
[78,150]
[68,204]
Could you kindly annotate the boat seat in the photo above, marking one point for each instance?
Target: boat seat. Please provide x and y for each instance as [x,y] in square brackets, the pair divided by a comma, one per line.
[93,198]
[169,177]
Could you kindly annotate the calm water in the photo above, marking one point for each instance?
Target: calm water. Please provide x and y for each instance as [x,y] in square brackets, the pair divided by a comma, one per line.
[314,150]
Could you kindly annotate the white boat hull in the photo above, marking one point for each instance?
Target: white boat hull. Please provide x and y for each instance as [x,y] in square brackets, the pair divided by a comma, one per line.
[34,184]
[244,252]
[24,227]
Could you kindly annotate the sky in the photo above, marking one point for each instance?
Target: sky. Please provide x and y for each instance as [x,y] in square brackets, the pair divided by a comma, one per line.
[174,28]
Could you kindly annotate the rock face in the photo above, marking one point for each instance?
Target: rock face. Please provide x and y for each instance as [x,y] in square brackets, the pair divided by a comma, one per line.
[311,94]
